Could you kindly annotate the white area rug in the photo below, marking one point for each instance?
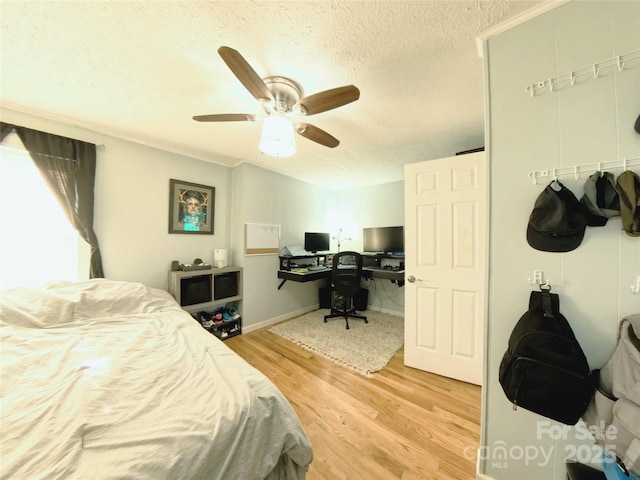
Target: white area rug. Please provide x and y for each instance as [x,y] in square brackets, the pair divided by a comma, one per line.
[365,348]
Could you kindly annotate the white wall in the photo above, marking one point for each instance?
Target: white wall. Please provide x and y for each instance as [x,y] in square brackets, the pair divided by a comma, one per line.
[377,206]
[131,218]
[132,201]
[261,196]
[589,122]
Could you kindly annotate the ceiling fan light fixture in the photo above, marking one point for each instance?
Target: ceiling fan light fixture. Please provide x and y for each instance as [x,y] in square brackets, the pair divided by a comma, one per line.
[280,97]
[278,137]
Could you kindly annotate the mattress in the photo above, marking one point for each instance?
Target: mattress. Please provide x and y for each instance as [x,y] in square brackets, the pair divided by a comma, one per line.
[112,380]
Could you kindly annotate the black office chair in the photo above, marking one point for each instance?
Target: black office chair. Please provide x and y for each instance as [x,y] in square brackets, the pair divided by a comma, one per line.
[346,272]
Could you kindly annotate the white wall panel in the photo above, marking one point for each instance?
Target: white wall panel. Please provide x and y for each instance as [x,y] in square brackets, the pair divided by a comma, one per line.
[575,125]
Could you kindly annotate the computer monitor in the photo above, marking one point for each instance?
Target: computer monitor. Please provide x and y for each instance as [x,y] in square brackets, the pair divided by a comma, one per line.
[317,242]
[383,239]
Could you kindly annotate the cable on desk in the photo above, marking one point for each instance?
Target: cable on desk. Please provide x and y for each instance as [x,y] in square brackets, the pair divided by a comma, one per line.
[388,294]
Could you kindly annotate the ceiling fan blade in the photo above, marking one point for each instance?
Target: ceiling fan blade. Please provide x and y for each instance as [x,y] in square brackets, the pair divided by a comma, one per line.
[247,75]
[317,135]
[327,100]
[226,117]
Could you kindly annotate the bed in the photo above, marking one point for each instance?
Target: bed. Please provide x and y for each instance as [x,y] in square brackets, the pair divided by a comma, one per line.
[112,380]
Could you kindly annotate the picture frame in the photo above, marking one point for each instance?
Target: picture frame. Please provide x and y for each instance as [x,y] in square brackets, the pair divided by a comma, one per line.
[191,208]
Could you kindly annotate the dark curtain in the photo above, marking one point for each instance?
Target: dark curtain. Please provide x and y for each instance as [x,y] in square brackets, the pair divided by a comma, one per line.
[69,167]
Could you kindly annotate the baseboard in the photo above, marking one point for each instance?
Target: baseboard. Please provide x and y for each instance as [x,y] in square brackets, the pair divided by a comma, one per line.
[274,320]
[302,311]
[387,311]
[482,476]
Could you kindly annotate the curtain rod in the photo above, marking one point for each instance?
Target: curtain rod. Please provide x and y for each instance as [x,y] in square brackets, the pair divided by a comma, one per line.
[98,147]
[24,150]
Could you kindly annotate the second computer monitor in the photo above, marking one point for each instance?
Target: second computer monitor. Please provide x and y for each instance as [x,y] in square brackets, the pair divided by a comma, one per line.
[317,242]
[383,239]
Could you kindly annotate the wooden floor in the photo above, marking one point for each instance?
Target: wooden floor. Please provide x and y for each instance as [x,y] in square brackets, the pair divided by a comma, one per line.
[402,424]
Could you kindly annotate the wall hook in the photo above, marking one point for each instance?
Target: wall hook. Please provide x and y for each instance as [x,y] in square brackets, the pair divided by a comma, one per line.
[538,280]
[636,288]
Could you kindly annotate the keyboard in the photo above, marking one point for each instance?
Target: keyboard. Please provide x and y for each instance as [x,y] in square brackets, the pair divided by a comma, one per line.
[316,267]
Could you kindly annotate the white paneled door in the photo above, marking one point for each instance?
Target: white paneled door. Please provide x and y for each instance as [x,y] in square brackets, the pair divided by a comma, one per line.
[445,262]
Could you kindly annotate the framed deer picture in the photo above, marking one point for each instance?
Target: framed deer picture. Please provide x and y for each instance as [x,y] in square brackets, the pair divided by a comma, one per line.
[191,208]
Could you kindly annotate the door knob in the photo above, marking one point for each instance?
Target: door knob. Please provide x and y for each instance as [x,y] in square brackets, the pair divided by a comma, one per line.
[411,279]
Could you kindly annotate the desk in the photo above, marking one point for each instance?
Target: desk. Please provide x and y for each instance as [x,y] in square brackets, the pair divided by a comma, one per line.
[396,276]
[370,271]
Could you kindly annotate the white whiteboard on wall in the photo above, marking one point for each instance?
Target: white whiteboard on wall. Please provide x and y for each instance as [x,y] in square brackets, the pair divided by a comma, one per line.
[262,238]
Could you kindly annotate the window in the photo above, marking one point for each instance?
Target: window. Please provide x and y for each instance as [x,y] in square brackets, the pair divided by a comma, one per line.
[37,243]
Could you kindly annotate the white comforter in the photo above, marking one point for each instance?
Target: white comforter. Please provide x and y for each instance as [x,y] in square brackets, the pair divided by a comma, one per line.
[112,380]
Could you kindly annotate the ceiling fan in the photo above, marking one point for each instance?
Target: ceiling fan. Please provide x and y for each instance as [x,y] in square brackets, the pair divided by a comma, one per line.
[281,97]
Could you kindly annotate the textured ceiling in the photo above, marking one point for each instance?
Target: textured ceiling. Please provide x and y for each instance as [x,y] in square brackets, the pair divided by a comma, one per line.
[141,70]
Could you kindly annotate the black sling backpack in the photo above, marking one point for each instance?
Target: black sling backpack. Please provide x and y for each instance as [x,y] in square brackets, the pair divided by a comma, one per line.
[544,369]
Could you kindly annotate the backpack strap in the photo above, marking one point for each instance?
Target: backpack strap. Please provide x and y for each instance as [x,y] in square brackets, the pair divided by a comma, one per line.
[547,303]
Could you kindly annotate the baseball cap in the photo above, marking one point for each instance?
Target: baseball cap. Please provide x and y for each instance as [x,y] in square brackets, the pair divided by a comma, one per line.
[600,200]
[557,222]
[629,188]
